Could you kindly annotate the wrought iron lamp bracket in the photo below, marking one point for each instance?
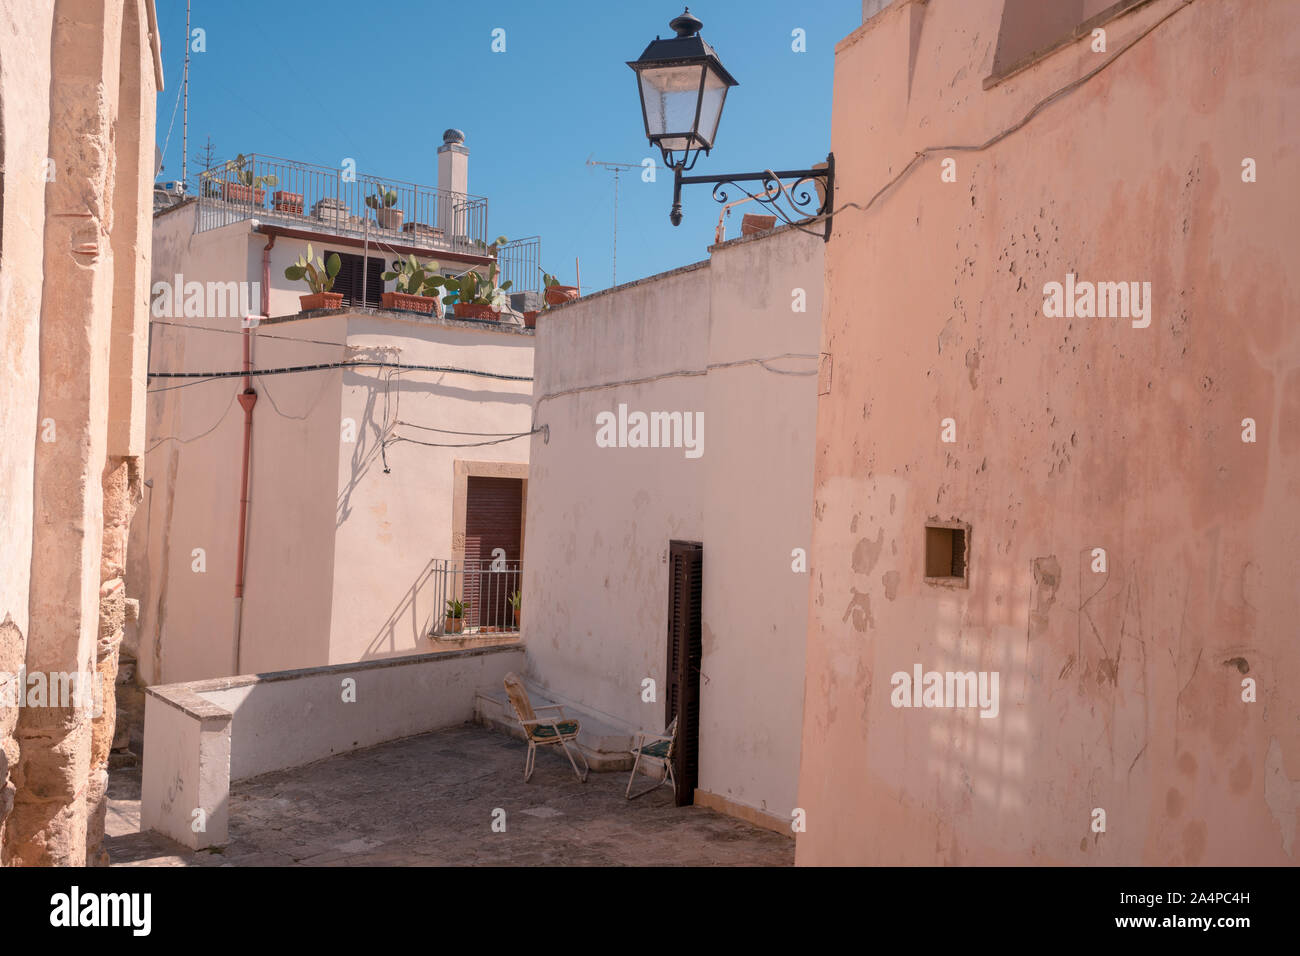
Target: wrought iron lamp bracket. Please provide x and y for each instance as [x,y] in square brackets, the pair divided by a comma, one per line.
[792,204]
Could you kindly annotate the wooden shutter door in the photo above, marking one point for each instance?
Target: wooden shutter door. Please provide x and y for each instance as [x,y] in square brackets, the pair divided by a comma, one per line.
[685,652]
[493,518]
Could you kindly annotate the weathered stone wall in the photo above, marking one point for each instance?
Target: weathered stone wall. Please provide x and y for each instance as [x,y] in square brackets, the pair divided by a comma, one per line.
[74,287]
[24,124]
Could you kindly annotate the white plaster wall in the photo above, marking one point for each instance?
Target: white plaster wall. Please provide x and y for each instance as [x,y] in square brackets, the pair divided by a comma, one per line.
[758,492]
[595,595]
[337,550]
[390,526]
[600,520]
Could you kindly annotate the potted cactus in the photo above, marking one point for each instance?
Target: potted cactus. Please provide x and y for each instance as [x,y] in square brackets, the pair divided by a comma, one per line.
[455,622]
[382,202]
[557,294]
[418,287]
[241,185]
[514,606]
[319,277]
[479,297]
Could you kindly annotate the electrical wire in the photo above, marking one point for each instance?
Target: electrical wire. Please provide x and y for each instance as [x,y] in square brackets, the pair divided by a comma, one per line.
[688,373]
[322,366]
[260,335]
[168,388]
[186,441]
[477,444]
[448,431]
[170,126]
[266,390]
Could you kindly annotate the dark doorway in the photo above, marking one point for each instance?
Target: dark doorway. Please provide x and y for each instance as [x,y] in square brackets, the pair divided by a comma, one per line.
[494,509]
[685,652]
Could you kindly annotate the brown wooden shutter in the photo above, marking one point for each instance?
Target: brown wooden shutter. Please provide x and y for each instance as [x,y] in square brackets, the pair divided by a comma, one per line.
[348,281]
[493,519]
[685,653]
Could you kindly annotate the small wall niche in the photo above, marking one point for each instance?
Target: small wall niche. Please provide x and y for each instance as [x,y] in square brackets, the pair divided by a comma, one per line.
[947,553]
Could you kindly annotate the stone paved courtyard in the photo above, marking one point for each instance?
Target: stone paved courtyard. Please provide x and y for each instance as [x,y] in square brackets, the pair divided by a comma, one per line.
[428,801]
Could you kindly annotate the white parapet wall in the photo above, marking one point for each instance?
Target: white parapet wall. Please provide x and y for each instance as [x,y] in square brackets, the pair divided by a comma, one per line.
[201,736]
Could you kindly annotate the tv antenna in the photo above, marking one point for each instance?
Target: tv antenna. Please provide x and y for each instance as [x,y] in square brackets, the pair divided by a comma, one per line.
[618,169]
[185,119]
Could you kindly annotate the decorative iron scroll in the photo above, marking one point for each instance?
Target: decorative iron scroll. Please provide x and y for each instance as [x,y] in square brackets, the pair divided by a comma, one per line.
[793,195]
[801,199]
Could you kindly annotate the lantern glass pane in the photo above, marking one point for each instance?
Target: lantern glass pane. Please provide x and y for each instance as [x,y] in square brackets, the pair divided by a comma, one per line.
[671,95]
[715,93]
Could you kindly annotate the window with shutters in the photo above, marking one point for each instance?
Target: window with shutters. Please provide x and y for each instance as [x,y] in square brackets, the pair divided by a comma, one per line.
[685,653]
[349,280]
[494,515]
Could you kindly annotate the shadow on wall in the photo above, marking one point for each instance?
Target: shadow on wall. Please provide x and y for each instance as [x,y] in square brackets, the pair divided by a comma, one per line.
[385,642]
[370,432]
[367,448]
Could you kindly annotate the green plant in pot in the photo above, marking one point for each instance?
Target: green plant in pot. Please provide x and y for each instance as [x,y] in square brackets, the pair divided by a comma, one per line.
[514,606]
[319,276]
[478,296]
[557,294]
[455,623]
[383,202]
[419,286]
[241,185]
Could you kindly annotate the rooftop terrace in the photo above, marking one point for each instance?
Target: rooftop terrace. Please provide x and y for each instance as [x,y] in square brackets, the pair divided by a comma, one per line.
[342,202]
[429,800]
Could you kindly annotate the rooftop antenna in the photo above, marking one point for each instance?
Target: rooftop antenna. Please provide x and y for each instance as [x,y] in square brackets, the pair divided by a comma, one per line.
[618,168]
[185,119]
[206,155]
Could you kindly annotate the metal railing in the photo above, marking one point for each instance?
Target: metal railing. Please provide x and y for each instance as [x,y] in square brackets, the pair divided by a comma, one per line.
[323,198]
[485,587]
[520,262]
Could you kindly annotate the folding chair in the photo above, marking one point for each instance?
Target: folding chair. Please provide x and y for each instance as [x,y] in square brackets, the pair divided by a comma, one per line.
[543,731]
[661,747]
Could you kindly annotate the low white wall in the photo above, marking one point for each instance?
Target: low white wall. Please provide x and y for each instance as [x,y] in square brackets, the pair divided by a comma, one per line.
[202,735]
[186,768]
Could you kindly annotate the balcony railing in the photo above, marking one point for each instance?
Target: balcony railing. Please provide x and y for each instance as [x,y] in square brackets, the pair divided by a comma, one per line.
[520,261]
[324,199]
[485,587]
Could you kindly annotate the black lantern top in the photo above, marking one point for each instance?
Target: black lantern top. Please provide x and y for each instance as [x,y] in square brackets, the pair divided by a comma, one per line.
[683,86]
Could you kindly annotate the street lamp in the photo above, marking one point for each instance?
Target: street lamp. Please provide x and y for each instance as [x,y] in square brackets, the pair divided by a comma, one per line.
[683,86]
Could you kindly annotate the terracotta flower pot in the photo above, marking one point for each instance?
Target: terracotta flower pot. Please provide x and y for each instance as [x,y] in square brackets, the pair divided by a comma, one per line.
[484,312]
[389,218]
[530,319]
[560,294]
[410,303]
[321,300]
[454,625]
[516,618]
[238,192]
[287,202]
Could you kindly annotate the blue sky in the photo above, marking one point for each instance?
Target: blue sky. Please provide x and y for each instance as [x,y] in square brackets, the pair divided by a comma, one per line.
[380,82]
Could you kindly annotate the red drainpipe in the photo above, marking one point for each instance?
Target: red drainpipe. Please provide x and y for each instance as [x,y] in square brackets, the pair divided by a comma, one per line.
[247,399]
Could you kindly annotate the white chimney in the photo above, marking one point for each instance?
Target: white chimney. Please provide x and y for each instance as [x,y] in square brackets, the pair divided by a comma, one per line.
[453,162]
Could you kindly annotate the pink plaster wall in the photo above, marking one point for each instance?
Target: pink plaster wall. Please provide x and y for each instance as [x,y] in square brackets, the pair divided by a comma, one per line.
[1123,690]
